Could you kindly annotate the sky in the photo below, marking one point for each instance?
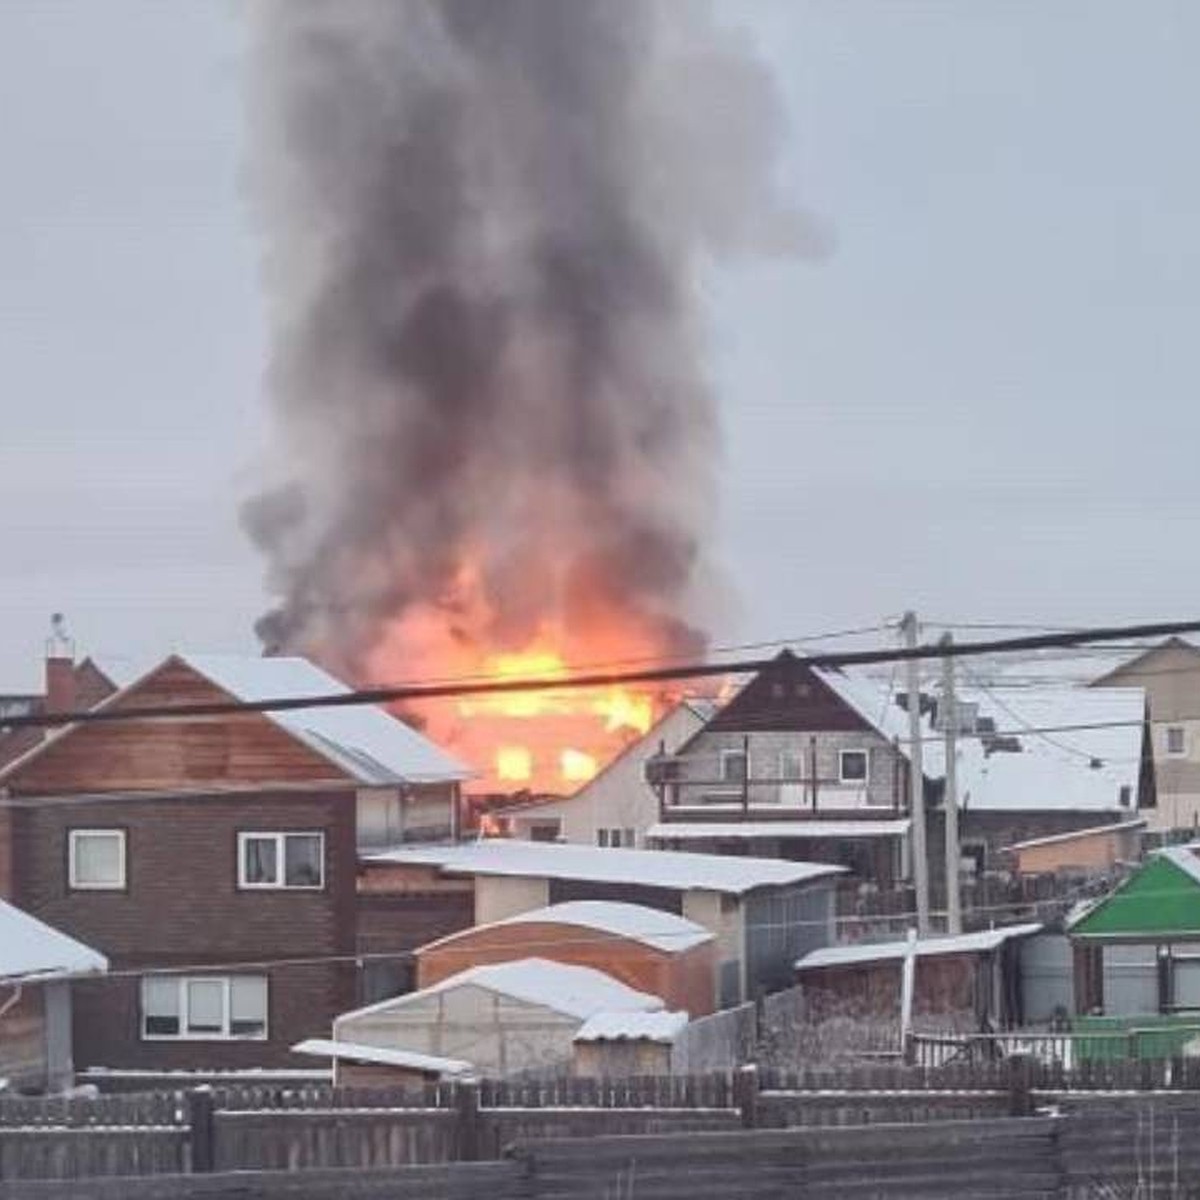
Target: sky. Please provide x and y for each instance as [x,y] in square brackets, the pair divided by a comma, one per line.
[979,403]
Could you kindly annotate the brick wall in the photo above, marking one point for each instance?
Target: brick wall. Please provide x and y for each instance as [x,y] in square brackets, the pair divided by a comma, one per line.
[182,908]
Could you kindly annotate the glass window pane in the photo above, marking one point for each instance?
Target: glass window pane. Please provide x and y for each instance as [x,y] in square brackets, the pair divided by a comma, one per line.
[206,1005]
[302,860]
[98,859]
[733,767]
[854,766]
[160,1007]
[260,860]
[248,1006]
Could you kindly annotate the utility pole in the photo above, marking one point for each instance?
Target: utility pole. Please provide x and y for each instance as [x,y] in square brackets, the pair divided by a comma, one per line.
[949,717]
[916,778]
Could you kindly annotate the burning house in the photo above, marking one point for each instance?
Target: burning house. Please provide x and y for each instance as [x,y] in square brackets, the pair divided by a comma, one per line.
[496,447]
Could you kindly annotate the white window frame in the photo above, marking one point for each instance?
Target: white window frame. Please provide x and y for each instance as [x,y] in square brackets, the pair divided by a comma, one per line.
[225,1035]
[73,835]
[1182,751]
[279,884]
[866,754]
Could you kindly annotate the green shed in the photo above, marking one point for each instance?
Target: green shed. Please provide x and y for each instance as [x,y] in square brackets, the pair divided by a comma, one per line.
[1137,951]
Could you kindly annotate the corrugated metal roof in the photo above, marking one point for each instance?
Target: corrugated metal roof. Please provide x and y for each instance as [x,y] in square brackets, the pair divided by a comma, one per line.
[650,868]
[662,1027]
[866,952]
[365,741]
[30,949]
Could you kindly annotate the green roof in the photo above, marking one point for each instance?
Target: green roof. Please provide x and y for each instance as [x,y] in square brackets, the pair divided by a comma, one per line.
[1159,900]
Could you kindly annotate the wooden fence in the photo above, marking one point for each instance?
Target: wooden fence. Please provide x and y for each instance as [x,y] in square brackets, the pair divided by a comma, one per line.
[1135,1148]
[204,1131]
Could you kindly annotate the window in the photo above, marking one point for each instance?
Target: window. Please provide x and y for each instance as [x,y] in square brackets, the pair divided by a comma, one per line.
[96,859]
[601,837]
[204,1007]
[852,766]
[281,860]
[1176,742]
[628,838]
[733,766]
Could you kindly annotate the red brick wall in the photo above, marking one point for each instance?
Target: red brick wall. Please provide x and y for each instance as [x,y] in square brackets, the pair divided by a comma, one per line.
[182,908]
[684,980]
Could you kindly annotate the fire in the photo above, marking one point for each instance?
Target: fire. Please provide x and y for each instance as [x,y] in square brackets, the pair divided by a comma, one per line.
[549,740]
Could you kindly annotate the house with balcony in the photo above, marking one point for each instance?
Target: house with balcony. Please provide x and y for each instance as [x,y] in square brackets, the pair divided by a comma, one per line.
[814,764]
[213,858]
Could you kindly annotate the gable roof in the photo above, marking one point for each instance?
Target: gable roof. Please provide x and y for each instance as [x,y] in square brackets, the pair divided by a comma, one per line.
[573,991]
[1146,656]
[32,950]
[1161,899]
[650,926]
[675,869]
[364,742]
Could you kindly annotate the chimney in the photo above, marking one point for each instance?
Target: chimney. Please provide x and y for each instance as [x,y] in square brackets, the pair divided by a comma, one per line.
[60,667]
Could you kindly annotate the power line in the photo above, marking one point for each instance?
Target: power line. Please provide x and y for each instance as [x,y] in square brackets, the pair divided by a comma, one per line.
[662,674]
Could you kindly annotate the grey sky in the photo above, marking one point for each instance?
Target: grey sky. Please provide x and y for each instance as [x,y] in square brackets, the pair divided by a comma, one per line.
[999,349]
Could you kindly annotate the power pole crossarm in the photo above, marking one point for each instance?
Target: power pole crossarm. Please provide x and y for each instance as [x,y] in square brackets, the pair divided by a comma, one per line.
[916,777]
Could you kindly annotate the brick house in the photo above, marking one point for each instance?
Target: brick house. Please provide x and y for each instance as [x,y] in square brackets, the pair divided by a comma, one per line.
[213,859]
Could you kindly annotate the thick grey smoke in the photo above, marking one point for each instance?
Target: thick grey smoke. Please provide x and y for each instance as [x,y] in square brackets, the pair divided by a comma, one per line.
[485,225]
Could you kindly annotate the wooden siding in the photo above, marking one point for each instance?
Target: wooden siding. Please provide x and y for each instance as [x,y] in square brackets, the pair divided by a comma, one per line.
[171,754]
[787,696]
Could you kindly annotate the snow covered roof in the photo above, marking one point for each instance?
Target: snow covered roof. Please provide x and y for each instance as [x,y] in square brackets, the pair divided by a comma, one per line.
[751,830]
[31,950]
[866,952]
[662,1027]
[388,1057]
[1055,770]
[363,740]
[1073,835]
[650,926]
[565,988]
[1184,857]
[650,868]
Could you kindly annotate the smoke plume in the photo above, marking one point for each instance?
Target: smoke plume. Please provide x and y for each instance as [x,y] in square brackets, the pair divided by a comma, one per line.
[485,224]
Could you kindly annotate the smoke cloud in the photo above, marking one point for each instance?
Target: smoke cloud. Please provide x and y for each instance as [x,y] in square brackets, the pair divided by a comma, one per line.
[485,225]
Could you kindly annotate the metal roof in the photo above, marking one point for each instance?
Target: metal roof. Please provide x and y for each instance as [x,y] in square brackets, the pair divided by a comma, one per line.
[662,1027]
[964,943]
[384,1056]
[675,869]
[31,950]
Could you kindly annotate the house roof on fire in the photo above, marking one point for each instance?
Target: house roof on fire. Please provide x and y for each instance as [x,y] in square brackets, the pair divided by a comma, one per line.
[31,950]
[364,741]
[675,869]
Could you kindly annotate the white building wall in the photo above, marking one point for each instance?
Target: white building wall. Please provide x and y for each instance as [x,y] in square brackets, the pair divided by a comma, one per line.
[501,896]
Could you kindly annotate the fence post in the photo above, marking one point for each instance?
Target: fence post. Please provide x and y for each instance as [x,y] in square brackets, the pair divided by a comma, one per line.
[745,1094]
[467,1119]
[201,1128]
[1020,1099]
